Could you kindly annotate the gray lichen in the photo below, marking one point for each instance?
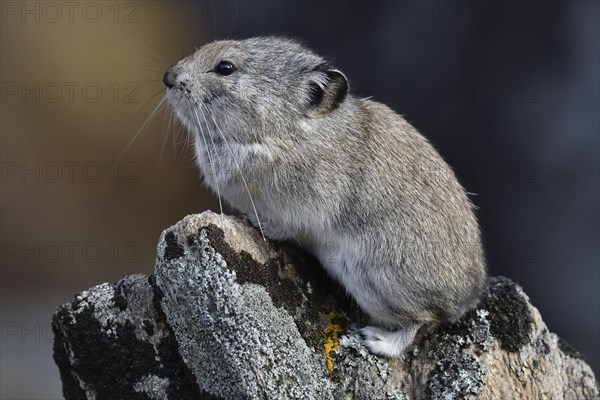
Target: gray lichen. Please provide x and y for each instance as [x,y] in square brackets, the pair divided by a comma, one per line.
[153,386]
[362,375]
[458,371]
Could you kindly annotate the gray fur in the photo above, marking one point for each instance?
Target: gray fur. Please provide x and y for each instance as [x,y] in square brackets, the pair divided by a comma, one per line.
[347,178]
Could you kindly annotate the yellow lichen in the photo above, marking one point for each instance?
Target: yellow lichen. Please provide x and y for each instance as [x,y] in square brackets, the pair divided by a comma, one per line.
[332,340]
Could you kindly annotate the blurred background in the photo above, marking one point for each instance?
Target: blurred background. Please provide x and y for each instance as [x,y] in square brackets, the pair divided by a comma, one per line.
[508,92]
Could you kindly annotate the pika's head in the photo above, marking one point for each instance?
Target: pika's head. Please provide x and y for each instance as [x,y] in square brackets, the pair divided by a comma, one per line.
[251,88]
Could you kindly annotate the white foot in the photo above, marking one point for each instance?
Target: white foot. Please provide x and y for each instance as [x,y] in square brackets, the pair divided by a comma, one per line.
[389,344]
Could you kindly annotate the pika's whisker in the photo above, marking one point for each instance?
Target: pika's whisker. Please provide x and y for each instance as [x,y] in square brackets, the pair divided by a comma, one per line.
[157,61]
[175,138]
[186,142]
[211,138]
[212,166]
[241,175]
[149,81]
[153,48]
[165,133]
[176,129]
[150,99]
[216,153]
[141,129]
[148,68]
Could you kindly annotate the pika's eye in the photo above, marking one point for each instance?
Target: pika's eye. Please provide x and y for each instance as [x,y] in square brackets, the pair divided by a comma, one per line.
[224,68]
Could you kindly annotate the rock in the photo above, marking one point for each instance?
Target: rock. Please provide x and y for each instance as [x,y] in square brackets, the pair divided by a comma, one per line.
[229,315]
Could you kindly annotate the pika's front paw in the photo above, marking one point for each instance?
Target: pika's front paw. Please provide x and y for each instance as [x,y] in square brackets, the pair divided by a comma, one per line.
[267,228]
[247,219]
[388,344]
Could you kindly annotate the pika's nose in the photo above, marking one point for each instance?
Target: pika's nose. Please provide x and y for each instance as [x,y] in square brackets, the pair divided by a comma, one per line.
[169,78]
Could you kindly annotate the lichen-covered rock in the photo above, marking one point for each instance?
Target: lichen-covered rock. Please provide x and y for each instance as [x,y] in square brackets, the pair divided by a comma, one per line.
[228,315]
[234,338]
[112,343]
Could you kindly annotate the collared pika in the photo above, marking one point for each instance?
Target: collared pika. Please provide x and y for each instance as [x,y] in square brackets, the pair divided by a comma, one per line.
[280,138]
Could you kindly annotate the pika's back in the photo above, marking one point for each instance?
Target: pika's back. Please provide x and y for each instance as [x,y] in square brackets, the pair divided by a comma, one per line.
[430,225]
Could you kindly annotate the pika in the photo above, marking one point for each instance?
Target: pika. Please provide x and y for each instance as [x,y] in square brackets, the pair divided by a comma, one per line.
[279,136]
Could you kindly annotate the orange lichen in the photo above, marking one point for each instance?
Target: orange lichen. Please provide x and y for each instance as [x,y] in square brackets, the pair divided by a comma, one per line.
[332,340]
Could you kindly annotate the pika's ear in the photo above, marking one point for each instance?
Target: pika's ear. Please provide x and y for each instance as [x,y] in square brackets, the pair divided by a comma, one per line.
[327,90]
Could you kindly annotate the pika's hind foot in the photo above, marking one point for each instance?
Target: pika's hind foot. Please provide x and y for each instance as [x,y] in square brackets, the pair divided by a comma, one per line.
[388,343]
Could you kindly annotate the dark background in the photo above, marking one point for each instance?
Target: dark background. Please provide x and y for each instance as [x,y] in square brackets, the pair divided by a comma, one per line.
[508,92]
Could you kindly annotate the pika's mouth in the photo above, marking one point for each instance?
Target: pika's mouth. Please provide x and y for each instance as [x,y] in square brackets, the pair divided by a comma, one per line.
[194,109]
[195,117]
